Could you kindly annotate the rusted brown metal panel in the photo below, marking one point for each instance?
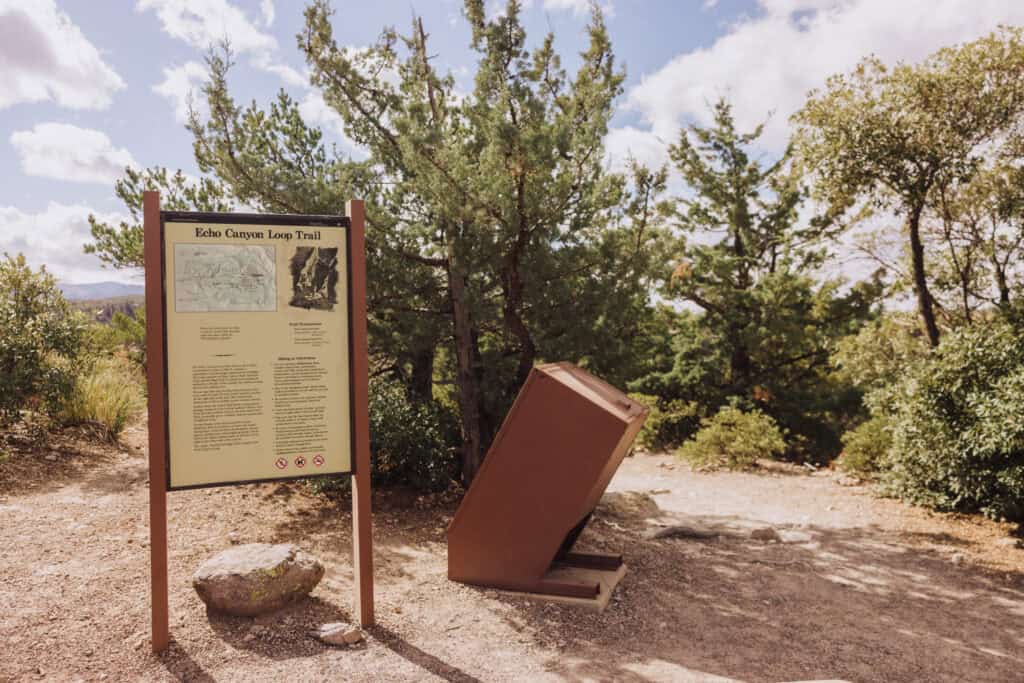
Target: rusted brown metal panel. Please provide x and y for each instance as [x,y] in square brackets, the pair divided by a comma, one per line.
[559,446]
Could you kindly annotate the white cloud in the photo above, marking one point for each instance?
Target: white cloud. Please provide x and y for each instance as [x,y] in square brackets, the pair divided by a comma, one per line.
[627,142]
[65,152]
[206,23]
[44,56]
[286,73]
[181,86]
[54,237]
[496,8]
[202,23]
[578,7]
[315,111]
[267,10]
[769,62]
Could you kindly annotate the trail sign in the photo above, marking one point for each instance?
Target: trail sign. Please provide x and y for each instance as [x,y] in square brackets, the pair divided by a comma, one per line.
[256,364]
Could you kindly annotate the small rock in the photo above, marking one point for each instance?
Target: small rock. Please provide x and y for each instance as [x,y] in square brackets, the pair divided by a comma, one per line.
[765,534]
[680,531]
[234,538]
[1010,542]
[254,578]
[50,457]
[957,558]
[790,536]
[846,480]
[339,633]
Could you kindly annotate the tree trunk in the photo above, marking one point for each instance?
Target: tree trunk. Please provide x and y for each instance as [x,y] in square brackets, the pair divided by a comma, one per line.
[924,297]
[739,365]
[1001,283]
[421,377]
[467,377]
[515,324]
[965,300]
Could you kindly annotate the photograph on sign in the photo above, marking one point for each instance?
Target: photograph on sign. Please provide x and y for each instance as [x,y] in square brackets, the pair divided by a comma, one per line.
[257,327]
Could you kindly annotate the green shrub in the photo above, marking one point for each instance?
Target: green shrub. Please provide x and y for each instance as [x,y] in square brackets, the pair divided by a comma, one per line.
[668,424]
[105,397]
[958,437]
[733,439]
[40,339]
[123,335]
[875,360]
[411,444]
[866,447]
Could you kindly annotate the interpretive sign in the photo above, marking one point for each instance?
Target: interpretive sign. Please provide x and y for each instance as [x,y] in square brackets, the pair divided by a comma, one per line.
[257,365]
[257,348]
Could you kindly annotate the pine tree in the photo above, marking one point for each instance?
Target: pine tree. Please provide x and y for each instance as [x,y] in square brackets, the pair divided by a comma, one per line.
[766,317]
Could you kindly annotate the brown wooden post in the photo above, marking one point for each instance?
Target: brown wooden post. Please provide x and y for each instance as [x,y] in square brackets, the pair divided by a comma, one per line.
[362,531]
[157,435]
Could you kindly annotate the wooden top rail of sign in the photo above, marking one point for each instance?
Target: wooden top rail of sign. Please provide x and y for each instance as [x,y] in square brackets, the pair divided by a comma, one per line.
[354,371]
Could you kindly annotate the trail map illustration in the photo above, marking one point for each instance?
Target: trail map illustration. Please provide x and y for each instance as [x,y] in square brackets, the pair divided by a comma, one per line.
[224,277]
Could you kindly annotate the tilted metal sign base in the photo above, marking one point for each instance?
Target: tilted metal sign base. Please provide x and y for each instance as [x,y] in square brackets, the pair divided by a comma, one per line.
[552,460]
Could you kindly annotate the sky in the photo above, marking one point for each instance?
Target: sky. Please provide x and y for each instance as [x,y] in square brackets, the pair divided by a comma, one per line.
[89,87]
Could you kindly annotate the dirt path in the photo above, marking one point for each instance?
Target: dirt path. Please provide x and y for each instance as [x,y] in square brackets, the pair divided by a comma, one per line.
[859,588]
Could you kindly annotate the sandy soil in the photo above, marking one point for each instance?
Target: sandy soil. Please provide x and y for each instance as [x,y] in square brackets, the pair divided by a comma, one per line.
[860,589]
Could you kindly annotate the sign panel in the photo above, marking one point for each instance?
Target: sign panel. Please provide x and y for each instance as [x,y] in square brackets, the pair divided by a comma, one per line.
[258,349]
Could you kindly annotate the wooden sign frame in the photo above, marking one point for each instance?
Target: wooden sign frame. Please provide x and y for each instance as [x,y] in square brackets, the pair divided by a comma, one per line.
[159,482]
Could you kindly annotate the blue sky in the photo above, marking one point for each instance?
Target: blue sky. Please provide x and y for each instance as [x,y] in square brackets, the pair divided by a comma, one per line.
[90,86]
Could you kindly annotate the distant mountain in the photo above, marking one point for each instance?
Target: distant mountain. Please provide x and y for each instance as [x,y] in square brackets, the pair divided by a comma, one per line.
[99,290]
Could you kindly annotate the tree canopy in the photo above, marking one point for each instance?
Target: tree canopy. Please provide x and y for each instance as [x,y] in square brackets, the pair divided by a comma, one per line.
[891,137]
[497,235]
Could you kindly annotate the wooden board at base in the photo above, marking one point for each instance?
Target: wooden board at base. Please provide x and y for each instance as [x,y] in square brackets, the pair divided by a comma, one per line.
[608,580]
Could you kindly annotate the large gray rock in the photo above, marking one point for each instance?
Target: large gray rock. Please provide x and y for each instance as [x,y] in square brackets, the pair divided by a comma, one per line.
[257,577]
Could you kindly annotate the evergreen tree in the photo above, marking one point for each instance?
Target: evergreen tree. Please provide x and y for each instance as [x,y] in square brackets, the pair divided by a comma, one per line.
[767,316]
[120,246]
[496,236]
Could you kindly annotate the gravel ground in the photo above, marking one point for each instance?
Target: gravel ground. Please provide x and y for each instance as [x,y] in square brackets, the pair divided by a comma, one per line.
[858,588]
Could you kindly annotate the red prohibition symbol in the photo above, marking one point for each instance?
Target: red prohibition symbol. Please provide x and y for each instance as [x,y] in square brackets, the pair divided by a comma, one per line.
[318,460]
[281,463]
[300,461]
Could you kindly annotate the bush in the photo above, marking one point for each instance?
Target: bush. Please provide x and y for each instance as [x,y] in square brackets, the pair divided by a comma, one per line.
[105,397]
[866,447]
[668,424]
[958,437]
[733,439]
[876,359]
[412,444]
[40,338]
[123,335]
